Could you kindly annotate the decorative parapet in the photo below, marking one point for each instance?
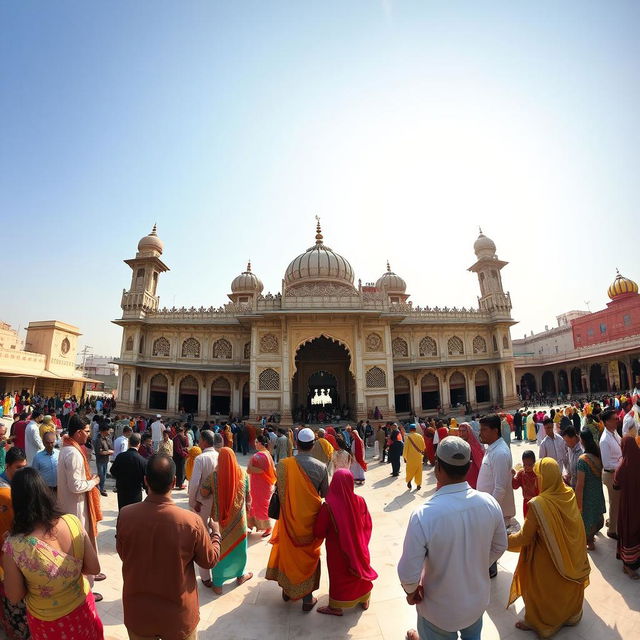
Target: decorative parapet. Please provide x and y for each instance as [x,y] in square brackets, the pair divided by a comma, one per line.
[22,359]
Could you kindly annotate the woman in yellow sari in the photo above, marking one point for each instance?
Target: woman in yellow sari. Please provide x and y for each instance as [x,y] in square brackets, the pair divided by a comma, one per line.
[192,454]
[553,569]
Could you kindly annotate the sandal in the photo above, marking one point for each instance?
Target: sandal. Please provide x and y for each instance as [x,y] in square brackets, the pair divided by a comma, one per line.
[98,597]
[330,611]
[207,583]
[412,634]
[308,606]
[216,590]
[267,533]
[244,578]
[285,597]
[99,577]
[631,573]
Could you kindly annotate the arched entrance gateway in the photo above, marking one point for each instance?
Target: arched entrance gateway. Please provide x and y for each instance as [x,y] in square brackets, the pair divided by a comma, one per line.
[322,386]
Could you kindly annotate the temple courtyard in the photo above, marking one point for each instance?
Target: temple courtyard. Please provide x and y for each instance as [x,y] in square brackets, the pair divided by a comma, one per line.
[256,610]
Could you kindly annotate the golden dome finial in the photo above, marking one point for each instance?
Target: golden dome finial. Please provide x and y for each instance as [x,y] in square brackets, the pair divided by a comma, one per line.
[154,230]
[388,267]
[319,237]
[249,266]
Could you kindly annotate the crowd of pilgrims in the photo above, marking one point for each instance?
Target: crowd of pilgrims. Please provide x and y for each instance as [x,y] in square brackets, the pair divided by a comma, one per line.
[298,490]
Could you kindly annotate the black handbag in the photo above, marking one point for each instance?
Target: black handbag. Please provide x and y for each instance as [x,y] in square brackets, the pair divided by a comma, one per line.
[274,505]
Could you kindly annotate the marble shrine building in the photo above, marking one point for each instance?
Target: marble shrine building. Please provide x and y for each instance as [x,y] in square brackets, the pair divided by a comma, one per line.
[356,347]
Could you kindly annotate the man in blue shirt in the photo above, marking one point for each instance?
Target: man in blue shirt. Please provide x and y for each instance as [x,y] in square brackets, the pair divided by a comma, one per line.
[46,461]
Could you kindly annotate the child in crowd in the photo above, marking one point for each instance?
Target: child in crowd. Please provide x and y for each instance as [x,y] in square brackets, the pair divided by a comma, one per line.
[526,478]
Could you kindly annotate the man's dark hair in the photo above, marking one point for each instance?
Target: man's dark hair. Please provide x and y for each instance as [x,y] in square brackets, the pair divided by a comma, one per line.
[207,436]
[15,454]
[607,414]
[127,429]
[104,427]
[455,472]
[134,439]
[570,432]
[529,455]
[145,437]
[76,425]
[547,421]
[36,414]
[23,415]
[305,446]
[492,421]
[160,473]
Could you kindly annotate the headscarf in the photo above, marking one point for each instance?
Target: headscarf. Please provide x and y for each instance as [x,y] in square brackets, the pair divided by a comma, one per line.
[229,486]
[330,437]
[477,450]
[352,522]
[193,452]
[560,522]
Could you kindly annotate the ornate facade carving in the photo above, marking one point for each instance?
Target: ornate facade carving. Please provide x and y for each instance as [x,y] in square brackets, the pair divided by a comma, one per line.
[400,348]
[455,346]
[479,345]
[190,348]
[269,380]
[321,290]
[161,347]
[428,347]
[269,343]
[376,378]
[222,349]
[247,351]
[374,342]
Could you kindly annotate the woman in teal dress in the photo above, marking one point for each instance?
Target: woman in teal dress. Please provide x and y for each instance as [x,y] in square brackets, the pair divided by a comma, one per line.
[589,492]
[230,488]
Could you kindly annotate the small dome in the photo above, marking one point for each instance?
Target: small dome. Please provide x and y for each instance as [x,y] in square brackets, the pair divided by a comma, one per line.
[319,263]
[151,242]
[247,282]
[621,286]
[484,247]
[391,282]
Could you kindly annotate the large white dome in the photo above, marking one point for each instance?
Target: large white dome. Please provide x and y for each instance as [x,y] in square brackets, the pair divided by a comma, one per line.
[391,282]
[484,247]
[319,264]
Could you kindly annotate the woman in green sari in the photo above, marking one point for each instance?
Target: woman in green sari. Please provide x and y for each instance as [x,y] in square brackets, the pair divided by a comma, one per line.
[589,494]
[230,488]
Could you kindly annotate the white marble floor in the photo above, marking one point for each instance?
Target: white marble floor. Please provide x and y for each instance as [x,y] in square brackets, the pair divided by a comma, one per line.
[256,610]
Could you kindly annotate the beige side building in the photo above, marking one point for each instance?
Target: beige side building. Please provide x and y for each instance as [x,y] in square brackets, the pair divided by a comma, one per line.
[360,346]
[45,363]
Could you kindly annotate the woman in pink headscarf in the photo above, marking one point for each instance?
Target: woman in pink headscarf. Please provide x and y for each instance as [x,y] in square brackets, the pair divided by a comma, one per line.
[477,452]
[345,523]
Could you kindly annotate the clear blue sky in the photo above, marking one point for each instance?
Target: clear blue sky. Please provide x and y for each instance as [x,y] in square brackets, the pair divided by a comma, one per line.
[404,125]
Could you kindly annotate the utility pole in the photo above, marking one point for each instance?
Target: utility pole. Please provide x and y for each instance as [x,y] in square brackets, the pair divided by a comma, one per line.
[84,352]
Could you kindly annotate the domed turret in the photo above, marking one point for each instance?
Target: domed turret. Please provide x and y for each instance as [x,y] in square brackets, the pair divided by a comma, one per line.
[484,247]
[319,264]
[391,282]
[247,282]
[151,243]
[621,286]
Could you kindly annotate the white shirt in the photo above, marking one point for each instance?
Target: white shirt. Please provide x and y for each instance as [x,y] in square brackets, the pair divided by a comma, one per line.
[555,448]
[156,431]
[120,445]
[610,450]
[32,440]
[631,420]
[450,543]
[203,466]
[495,477]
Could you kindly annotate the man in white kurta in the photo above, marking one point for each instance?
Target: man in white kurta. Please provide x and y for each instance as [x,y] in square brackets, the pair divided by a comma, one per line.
[73,486]
[203,466]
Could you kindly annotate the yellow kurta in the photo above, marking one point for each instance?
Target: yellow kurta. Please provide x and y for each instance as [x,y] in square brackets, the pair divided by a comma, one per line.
[550,600]
[531,429]
[413,455]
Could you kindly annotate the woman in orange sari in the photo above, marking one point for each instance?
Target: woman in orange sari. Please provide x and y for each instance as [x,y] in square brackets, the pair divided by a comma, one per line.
[228,437]
[553,568]
[230,489]
[262,477]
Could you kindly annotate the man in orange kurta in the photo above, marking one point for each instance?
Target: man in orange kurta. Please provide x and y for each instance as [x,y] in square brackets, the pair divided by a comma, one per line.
[295,557]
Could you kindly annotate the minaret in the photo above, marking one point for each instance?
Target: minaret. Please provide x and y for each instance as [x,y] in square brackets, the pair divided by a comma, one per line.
[146,266]
[488,267]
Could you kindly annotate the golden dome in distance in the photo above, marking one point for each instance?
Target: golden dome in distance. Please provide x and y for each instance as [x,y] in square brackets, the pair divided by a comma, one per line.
[319,263]
[151,242]
[247,282]
[391,282]
[484,247]
[621,286]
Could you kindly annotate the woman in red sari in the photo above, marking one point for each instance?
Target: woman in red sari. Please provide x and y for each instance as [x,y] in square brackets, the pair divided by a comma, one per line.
[344,522]
[477,452]
[429,450]
[262,477]
[627,481]
[330,437]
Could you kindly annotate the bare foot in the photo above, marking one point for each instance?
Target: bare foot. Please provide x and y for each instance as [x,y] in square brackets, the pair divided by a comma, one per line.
[217,590]
[365,605]
[267,533]
[412,634]
[523,626]
[631,573]
[244,578]
[330,611]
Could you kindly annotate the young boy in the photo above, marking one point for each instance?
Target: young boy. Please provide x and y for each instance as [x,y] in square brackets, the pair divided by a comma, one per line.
[526,478]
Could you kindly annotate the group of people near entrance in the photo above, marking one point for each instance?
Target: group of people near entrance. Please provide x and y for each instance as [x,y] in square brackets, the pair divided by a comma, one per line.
[50,558]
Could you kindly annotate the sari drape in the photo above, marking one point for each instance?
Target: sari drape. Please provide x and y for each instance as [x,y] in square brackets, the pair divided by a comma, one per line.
[627,480]
[477,453]
[261,488]
[294,561]
[553,568]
